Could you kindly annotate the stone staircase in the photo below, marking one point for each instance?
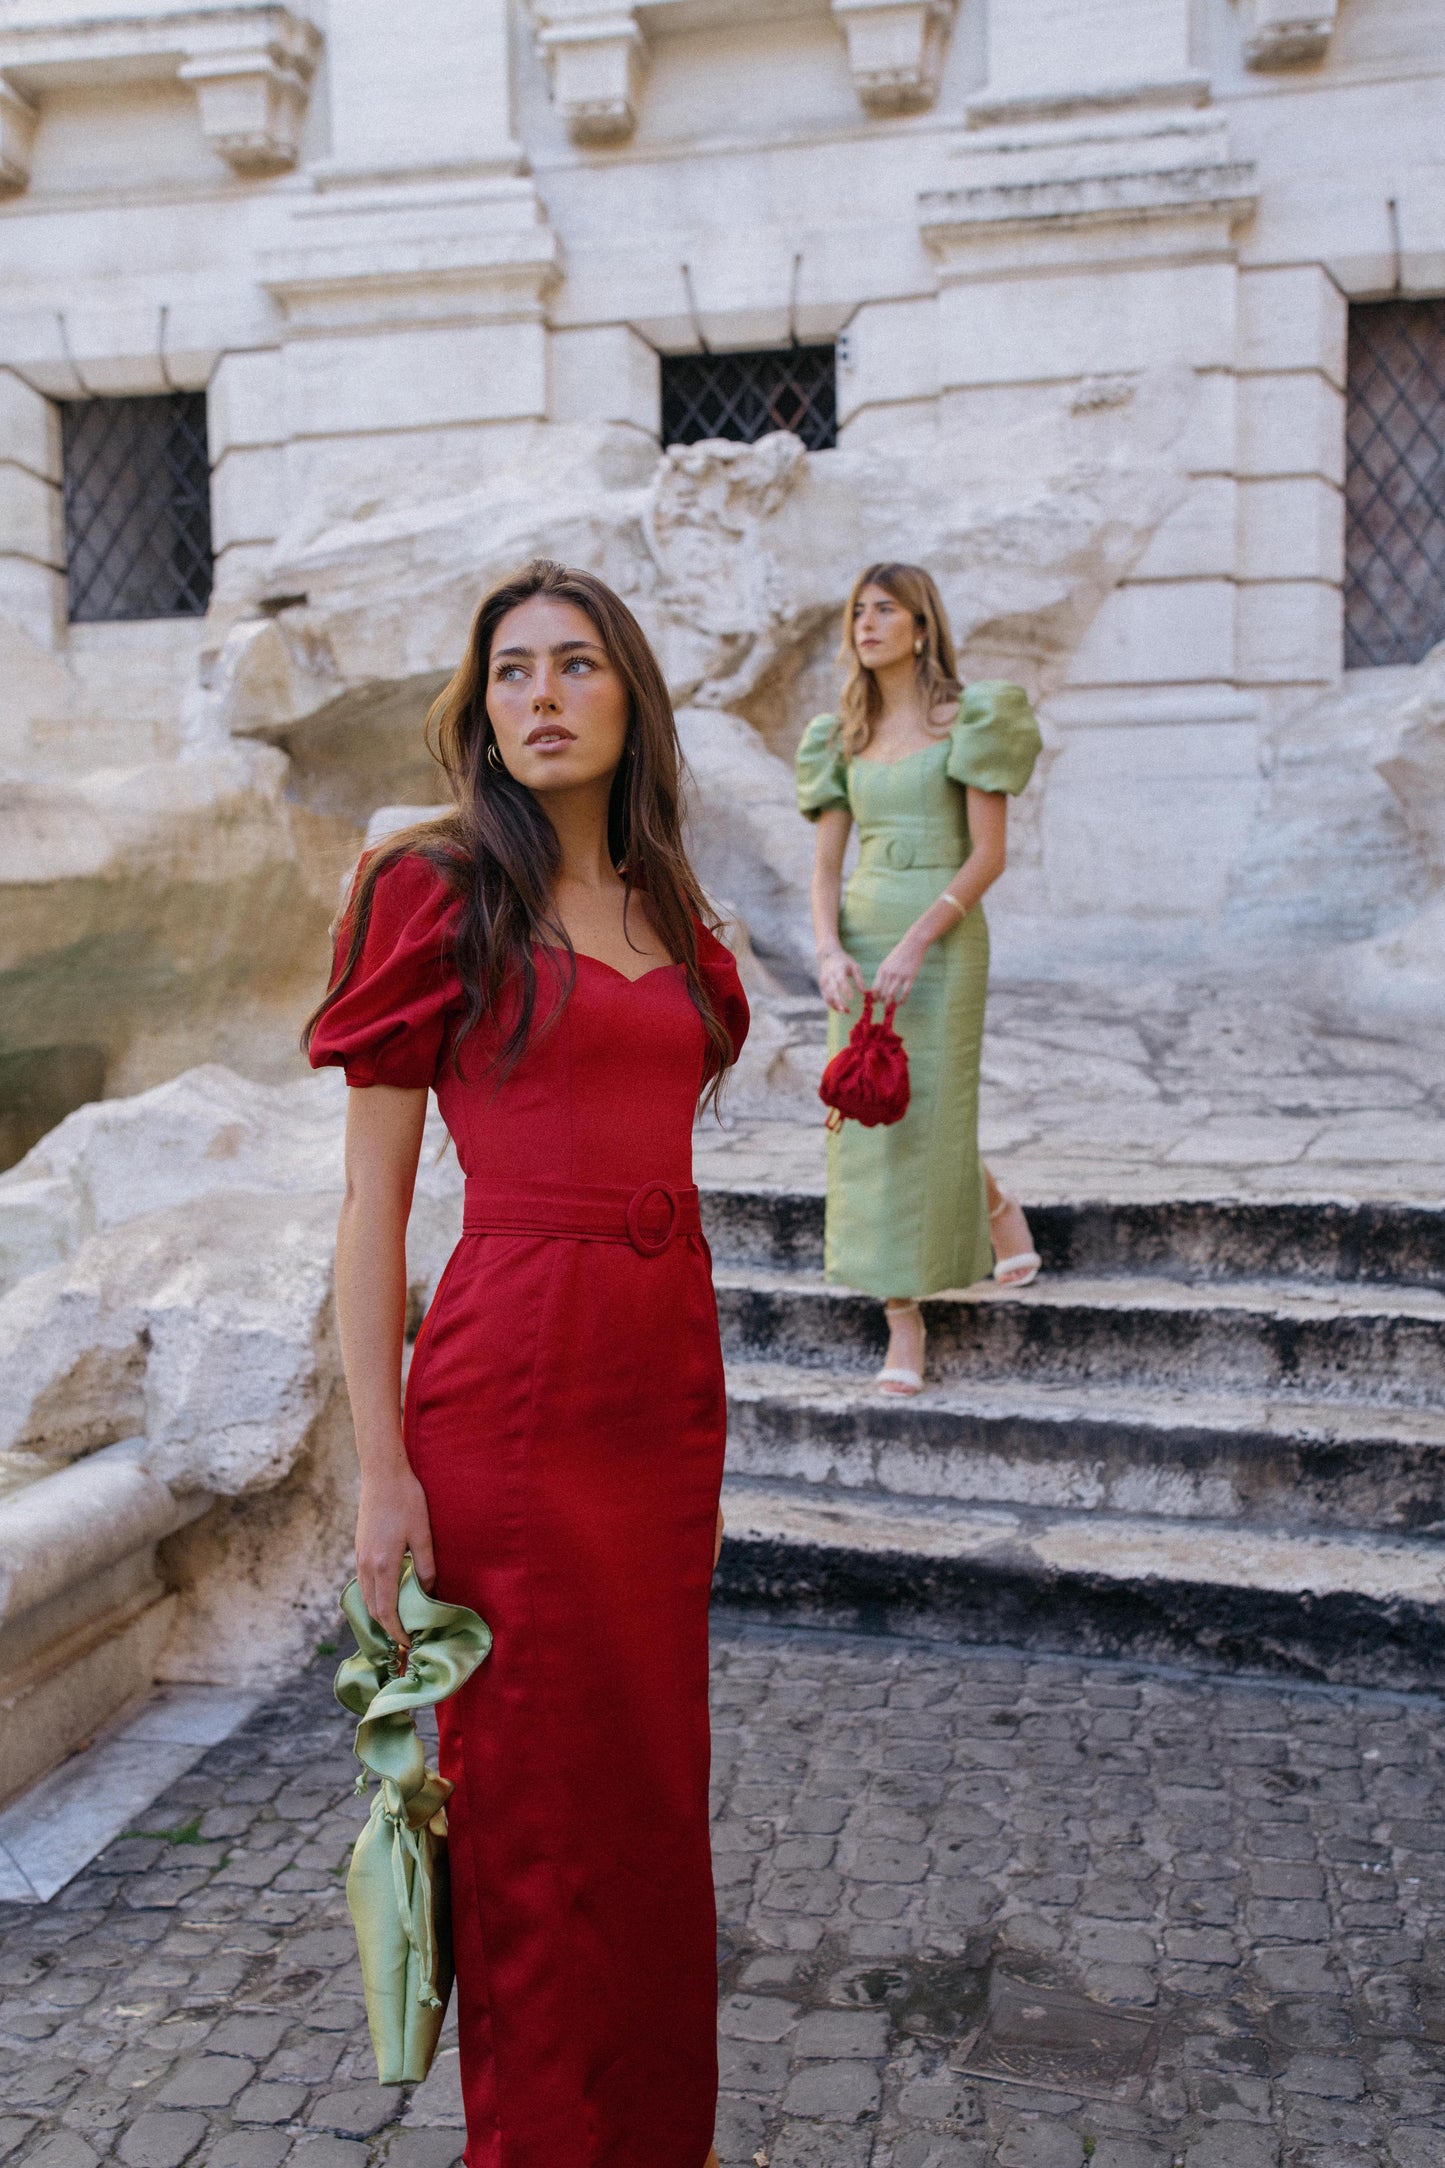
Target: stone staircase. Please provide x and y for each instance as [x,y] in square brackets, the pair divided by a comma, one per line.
[1212,1433]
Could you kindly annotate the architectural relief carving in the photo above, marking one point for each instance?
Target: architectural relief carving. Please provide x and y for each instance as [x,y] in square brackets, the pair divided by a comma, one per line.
[895,50]
[595,56]
[1278,33]
[250,67]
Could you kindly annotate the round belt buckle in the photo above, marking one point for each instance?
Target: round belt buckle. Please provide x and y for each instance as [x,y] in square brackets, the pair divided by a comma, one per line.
[650,1245]
[900,852]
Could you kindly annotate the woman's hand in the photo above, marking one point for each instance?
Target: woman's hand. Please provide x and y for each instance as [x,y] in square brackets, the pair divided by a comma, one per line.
[894,978]
[839,979]
[392,1520]
[717,1540]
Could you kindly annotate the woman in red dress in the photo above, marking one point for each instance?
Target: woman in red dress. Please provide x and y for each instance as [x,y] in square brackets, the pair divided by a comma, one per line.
[541,958]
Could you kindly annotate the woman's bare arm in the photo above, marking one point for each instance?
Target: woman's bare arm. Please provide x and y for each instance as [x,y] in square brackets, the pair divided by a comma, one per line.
[383,1144]
[838,975]
[988,833]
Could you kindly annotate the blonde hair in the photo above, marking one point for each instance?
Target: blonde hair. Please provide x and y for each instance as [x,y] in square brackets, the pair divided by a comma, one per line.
[861,703]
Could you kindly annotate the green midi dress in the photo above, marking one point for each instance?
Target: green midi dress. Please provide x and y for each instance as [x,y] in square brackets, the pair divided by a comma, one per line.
[907,1211]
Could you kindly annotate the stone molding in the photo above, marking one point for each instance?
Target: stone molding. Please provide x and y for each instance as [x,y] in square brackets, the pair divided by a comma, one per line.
[1281,33]
[250,68]
[595,56]
[953,217]
[499,268]
[895,50]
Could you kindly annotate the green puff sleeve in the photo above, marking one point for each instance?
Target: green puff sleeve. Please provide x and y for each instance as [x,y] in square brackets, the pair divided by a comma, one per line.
[822,769]
[995,740]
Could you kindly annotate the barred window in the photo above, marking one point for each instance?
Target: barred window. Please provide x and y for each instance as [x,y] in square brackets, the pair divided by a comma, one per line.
[137,506]
[747,396]
[1394,482]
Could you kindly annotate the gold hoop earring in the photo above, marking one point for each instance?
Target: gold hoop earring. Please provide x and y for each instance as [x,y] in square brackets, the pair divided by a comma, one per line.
[494,758]
[918,646]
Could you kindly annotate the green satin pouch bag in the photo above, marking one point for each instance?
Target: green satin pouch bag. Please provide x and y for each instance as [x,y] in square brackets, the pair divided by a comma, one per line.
[396,1888]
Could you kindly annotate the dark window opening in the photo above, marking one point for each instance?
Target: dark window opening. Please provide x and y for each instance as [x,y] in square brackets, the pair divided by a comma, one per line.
[746,396]
[1394,482]
[137,507]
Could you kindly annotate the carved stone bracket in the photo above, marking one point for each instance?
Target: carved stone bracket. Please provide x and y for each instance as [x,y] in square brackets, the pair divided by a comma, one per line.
[595,55]
[1278,33]
[250,67]
[895,50]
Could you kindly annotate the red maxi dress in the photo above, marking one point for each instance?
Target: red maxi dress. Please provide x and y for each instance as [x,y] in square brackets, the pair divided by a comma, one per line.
[565,1416]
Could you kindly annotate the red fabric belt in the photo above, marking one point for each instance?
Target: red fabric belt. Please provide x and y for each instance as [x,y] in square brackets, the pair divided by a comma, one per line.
[648,1217]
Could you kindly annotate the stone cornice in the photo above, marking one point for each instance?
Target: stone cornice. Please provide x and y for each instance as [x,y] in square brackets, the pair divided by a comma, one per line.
[957,216]
[326,286]
[250,67]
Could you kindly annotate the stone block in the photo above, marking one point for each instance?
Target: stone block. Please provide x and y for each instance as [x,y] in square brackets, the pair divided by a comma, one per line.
[1293,423]
[247,496]
[756,2017]
[269,2103]
[1177,631]
[206,2081]
[843,2033]
[837,2092]
[245,402]
[1197,540]
[354,2111]
[416,378]
[249,2149]
[1169,806]
[33,597]
[1089,323]
[604,373]
[888,356]
[1291,632]
[157,2139]
[1040,49]
[29,427]
[752,2066]
[1291,530]
[1233,2145]
[32,516]
[1034,2143]
[1292,317]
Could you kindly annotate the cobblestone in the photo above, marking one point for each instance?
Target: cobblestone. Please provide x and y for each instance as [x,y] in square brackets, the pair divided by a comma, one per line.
[1256,1871]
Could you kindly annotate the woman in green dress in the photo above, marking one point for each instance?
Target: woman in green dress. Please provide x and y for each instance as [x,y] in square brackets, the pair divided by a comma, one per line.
[924,768]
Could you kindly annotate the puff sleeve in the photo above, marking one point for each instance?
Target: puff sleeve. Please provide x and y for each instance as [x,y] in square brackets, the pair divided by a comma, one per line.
[718,968]
[389,1024]
[822,769]
[995,740]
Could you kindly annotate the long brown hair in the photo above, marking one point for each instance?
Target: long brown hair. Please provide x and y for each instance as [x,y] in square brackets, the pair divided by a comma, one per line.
[936,665]
[498,852]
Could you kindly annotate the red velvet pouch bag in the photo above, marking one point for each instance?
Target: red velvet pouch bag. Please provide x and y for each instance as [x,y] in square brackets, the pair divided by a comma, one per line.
[867,1080]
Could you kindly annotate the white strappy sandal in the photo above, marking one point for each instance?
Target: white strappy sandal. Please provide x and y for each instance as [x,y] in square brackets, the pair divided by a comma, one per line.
[901,1384]
[1027,1264]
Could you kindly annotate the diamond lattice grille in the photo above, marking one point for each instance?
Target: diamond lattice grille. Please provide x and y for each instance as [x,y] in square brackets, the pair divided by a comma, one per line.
[1395,482]
[137,506]
[747,396]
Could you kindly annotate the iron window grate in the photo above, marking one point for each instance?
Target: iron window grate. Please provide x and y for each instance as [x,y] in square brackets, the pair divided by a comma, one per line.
[746,396]
[137,506]
[1395,482]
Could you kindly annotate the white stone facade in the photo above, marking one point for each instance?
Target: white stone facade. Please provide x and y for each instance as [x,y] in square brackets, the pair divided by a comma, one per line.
[1088,263]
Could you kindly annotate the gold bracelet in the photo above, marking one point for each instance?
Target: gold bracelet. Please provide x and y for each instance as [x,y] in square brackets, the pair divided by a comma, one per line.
[947,896]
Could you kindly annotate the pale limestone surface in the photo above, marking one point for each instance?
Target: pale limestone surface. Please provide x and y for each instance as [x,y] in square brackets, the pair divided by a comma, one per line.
[1088,269]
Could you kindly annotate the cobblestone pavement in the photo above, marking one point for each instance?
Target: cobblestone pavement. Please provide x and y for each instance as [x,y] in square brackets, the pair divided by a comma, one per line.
[1149,1087]
[903,1830]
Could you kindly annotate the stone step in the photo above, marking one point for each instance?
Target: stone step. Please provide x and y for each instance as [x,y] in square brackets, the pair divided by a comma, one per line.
[1350,1609]
[1190,1239]
[1378,1346]
[1239,1458]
